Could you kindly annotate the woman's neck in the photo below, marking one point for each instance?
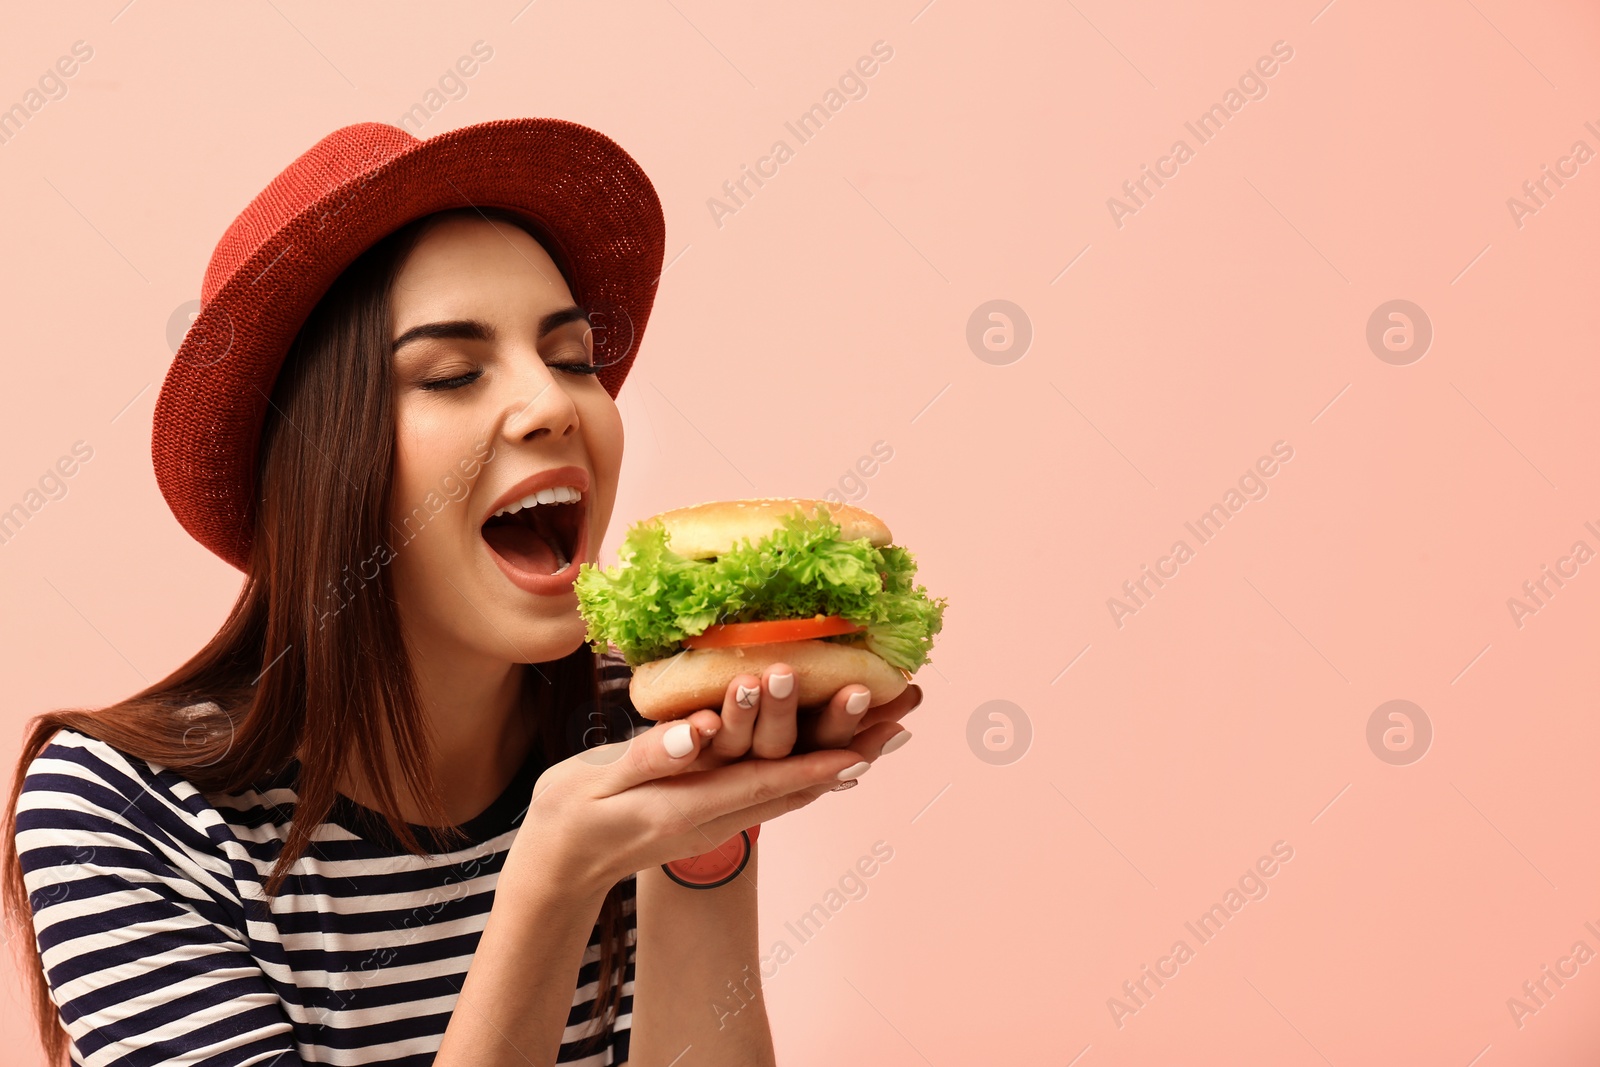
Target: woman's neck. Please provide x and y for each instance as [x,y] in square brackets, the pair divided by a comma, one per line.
[480,737]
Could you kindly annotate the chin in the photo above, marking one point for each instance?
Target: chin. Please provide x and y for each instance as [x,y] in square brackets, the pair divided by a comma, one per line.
[546,640]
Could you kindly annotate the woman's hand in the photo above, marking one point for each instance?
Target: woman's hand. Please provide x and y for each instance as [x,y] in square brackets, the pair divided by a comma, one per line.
[760,718]
[835,725]
[614,809]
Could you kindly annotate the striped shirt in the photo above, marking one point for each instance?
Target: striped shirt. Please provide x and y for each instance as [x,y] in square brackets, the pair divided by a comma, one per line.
[159,946]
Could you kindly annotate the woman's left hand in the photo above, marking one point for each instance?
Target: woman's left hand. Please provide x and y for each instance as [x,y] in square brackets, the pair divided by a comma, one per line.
[760,717]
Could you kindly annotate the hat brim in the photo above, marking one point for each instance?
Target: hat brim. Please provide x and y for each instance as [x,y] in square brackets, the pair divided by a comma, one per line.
[601,220]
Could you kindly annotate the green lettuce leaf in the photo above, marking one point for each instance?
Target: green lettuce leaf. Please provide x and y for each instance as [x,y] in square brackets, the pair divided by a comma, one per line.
[654,598]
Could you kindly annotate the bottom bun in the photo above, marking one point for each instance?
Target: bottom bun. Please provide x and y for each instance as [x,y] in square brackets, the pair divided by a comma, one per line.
[698,677]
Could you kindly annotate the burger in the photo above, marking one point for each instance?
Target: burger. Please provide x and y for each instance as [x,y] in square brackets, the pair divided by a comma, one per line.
[701,594]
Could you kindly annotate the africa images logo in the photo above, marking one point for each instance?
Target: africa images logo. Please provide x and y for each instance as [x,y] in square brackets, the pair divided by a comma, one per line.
[1252,85]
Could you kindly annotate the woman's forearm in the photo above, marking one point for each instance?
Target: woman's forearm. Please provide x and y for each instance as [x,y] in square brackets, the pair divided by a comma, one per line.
[517,995]
[697,975]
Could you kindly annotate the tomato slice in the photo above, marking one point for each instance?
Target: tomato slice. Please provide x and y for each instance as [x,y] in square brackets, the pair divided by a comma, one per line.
[733,634]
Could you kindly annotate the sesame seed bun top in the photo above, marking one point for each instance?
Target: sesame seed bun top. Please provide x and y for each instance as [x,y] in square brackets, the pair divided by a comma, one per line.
[701,531]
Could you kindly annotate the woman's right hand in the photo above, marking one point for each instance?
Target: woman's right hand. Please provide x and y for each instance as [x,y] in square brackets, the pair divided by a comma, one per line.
[615,809]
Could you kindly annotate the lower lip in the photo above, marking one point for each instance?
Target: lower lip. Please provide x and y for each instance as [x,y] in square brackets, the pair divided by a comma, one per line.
[545,584]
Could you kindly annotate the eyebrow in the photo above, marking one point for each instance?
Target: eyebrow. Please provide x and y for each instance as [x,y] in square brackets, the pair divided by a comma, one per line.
[478,330]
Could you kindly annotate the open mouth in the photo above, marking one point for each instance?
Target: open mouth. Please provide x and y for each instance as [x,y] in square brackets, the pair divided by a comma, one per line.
[538,539]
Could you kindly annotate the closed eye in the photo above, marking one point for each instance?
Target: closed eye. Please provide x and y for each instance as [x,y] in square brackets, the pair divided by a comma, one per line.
[451,383]
[462,380]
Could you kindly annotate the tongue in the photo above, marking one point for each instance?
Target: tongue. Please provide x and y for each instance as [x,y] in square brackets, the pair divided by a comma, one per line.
[524,548]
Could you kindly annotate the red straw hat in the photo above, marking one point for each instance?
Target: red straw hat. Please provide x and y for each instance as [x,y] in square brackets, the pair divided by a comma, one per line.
[596,210]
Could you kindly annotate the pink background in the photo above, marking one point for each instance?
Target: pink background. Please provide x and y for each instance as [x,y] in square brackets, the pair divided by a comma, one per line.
[831,311]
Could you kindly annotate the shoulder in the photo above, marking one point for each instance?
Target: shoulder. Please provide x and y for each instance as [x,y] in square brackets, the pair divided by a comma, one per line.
[80,789]
[140,927]
[99,829]
[77,770]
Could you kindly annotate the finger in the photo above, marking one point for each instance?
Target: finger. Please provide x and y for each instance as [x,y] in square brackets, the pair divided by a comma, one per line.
[740,708]
[774,734]
[875,741]
[880,739]
[816,731]
[664,749]
[893,710]
[724,827]
[836,722]
[705,798]
[727,826]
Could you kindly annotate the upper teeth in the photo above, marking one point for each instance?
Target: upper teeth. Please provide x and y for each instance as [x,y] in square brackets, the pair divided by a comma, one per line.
[559,494]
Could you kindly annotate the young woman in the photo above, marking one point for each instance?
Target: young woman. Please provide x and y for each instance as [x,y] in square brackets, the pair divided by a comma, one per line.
[396,811]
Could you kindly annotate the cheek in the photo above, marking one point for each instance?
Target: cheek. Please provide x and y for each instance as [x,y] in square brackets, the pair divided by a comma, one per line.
[428,491]
[605,435]
[407,475]
[415,460]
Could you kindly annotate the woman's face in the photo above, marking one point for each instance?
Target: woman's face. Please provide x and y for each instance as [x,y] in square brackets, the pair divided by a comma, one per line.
[489,409]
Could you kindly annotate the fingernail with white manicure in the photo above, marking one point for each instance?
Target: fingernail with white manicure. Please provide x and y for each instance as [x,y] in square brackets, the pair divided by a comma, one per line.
[679,740]
[895,742]
[780,685]
[844,785]
[856,703]
[747,696]
[855,770]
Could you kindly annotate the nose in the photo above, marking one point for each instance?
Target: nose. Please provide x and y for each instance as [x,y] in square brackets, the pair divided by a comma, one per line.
[539,406]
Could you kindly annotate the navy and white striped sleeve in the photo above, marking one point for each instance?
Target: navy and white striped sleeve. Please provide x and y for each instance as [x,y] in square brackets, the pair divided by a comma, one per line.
[139,925]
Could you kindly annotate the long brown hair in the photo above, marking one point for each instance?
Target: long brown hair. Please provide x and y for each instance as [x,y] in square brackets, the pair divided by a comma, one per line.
[297,671]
